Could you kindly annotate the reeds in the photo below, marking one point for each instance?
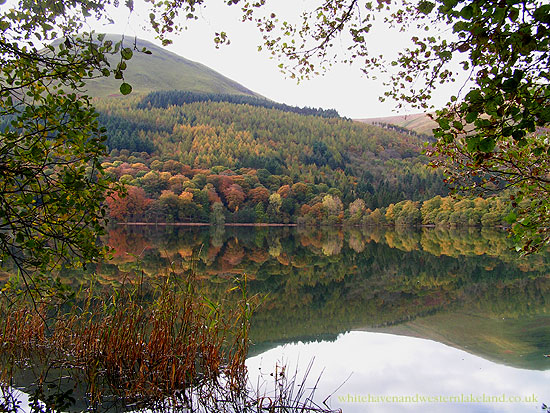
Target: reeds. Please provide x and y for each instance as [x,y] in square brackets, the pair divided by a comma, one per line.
[163,347]
[136,344]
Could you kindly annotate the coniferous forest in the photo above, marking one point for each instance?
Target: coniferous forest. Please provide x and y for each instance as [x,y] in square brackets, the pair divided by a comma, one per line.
[197,157]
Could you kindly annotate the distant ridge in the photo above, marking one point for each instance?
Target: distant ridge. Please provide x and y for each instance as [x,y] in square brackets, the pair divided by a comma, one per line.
[164,99]
[164,70]
[419,123]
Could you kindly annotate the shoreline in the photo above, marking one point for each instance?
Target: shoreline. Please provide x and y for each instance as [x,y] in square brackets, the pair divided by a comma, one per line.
[275,225]
[203,224]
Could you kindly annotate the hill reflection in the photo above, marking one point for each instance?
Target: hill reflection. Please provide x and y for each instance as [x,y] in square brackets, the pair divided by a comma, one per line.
[467,289]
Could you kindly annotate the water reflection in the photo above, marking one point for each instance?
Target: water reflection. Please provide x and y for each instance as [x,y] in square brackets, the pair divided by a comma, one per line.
[377,372]
[464,314]
[466,289]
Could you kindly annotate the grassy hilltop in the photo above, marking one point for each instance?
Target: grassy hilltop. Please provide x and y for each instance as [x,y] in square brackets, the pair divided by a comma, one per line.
[164,70]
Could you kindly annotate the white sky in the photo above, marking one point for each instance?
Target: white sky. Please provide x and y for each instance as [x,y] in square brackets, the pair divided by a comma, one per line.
[343,87]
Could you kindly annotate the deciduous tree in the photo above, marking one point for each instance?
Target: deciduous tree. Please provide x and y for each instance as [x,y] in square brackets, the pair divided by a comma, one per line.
[494,135]
[132,202]
[52,185]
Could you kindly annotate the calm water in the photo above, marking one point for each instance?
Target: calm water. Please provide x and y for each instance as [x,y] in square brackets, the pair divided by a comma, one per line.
[433,320]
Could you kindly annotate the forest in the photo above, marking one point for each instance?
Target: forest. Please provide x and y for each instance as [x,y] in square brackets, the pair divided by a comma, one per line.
[192,157]
[164,99]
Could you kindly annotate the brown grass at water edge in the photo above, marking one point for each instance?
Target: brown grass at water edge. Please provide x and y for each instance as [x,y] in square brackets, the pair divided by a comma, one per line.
[134,349]
[163,347]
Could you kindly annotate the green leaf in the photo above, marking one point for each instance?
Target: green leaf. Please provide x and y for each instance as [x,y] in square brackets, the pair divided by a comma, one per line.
[510,85]
[125,88]
[126,53]
[467,12]
[507,131]
[474,96]
[471,117]
[545,114]
[518,134]
[499,14]
[511,217]
[542,14]
[425,7]
[487,145]
[444,123]
[472,143]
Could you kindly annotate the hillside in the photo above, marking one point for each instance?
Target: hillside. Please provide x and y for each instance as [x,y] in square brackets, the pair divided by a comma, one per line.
[419,123]
[261,164]
[184,153]
[188,141]
[164,70]
[516,342]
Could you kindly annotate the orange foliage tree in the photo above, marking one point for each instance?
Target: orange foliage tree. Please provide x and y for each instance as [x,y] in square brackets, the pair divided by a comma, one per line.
[134,202]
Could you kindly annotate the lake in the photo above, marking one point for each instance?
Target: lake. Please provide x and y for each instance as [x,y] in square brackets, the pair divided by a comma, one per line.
[379,320]
[411,315]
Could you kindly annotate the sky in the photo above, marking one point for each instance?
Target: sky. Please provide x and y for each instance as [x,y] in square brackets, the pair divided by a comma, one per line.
[342,87]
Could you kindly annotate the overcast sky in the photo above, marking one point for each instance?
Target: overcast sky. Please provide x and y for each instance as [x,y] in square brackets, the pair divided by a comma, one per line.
[343,88]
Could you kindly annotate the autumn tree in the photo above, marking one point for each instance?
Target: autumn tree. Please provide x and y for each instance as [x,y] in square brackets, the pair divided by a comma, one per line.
[429,210]
[356,210]
[333,208]
[274,207]
[170,204]
[132,202]
[234,196]
[493,135]
[258,194]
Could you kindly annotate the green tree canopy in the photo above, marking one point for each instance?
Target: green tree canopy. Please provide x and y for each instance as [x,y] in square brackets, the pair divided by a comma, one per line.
[52,186]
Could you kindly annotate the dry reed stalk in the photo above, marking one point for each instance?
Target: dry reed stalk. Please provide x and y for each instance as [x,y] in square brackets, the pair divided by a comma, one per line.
[130,348]
[173,349]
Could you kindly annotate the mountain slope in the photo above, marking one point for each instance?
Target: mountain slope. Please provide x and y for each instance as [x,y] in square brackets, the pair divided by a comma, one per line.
[164,70]
[419,123]
[197,144]
[262,149]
